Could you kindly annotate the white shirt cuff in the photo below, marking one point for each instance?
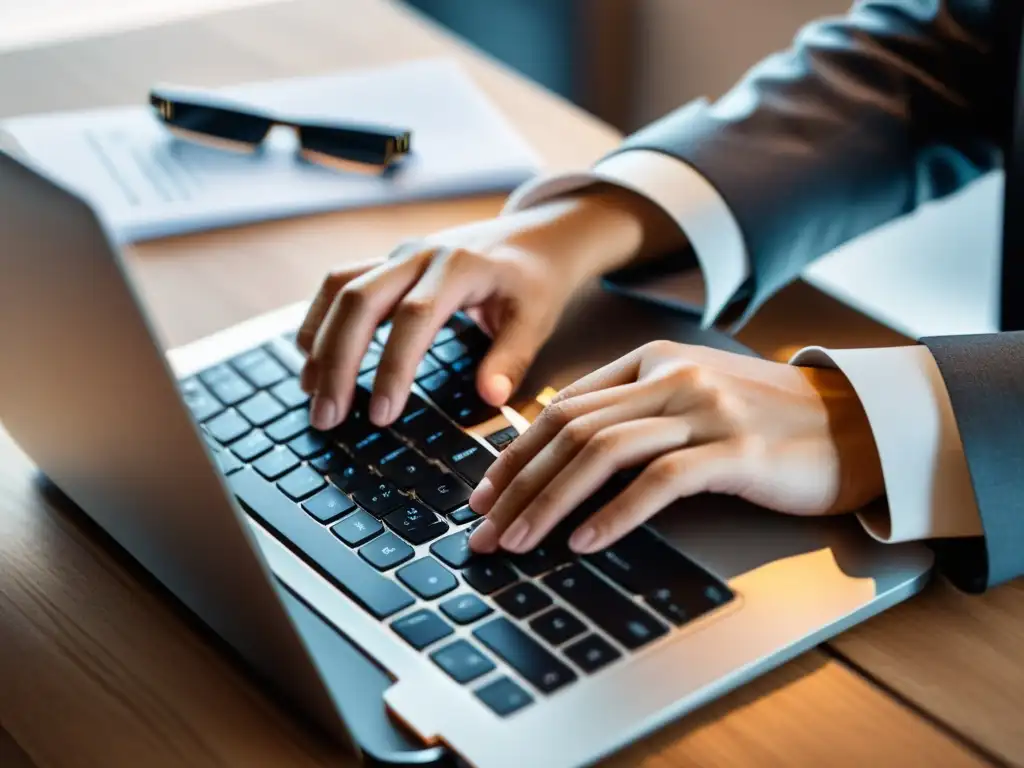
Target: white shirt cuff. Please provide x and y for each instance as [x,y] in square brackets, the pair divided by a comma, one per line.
[685,195]
[926,478]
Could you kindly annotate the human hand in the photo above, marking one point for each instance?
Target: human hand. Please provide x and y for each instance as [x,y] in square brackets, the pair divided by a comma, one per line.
[791,439]
[518,271]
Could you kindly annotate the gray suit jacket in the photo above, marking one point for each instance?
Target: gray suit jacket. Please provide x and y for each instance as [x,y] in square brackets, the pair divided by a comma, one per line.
[865,118]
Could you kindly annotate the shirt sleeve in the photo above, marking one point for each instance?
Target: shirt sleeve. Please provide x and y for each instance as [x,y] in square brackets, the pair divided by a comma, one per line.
[925,471]
[685,195]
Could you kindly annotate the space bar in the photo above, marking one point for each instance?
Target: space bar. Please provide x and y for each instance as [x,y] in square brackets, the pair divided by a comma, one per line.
[380,596]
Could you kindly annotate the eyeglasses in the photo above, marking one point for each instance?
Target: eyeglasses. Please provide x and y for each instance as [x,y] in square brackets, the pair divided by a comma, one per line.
[206,118]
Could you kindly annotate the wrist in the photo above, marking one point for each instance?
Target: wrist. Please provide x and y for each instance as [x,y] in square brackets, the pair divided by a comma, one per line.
[603,227]
[859,465]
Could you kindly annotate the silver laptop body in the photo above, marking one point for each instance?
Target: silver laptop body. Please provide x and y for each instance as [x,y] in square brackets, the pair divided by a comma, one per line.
[87,393]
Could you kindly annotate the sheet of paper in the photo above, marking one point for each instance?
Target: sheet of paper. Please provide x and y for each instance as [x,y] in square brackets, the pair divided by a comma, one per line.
[148,183]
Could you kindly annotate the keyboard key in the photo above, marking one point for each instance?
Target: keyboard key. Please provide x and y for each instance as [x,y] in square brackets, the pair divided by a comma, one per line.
[504,697]
[488,574]
[522,600]
[421,628]
[378,499]
[463,515]
[382,333]
[261,409]
[463,405]
[226,385]
[428,365]
[442,492]
[434,381]
[286,352]
[308,445]
[277,463]
[290,393]
[227,462]
[323,462]
[524,654]
[386,552]
[228,427]
[252,446]
[357,529]
[427,578]
[445,334]
[591,653]
[464,365]
[200,402]
[543,558]
[644,564]
[471,460]
[328,505]
[557,625]
[464,609]
[289,426]
[404,467]
[503,438]
[450,351]
[420,422]
[374,446]
[301,483]
[616,614]
[453,550]
[346,475]
[260,369]
[382,597]
[462,661]
[474,338]
[415,523]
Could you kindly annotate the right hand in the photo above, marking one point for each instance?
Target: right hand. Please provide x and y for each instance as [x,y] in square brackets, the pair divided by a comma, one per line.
[517,270]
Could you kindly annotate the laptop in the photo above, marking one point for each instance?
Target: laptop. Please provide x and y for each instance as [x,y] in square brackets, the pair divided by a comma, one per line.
[336,564]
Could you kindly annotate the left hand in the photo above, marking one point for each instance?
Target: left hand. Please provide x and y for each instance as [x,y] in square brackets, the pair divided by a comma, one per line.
[792,439]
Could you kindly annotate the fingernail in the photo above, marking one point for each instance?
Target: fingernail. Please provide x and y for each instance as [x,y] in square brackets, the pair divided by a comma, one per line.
[484,538]
[515,535]
[582,538]
[380,409]
[482,498]
[323,414]
[501,388]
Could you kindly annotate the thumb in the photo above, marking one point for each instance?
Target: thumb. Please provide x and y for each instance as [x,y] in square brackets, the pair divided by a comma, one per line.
[512,352]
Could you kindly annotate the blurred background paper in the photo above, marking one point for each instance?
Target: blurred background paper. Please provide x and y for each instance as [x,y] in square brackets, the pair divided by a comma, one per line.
[149,184]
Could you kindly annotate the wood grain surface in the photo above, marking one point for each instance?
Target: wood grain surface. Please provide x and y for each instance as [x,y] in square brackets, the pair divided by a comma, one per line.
[99,667]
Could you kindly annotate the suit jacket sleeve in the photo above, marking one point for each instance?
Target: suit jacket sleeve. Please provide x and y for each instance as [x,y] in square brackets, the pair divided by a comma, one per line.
[864,118]
[984,376]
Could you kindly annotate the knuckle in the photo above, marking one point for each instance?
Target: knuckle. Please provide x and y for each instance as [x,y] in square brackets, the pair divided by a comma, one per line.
[577,433]
[416,308]
[354,299]
[558,415]
[460,259]
[660,347]
[664,470]
[603,445]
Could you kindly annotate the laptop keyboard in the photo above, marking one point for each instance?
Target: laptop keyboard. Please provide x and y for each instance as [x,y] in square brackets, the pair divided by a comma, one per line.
[382,514]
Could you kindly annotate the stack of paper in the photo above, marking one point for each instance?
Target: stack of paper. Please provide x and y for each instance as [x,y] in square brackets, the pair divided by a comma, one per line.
[149,184]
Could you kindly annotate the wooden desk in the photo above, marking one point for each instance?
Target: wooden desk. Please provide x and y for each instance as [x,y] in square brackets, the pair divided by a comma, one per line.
[98,667]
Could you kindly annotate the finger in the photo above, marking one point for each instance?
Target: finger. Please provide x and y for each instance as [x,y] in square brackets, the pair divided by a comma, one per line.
[452,276]
[329,288]
[552,421]
[514,348]
[711,468]
[346,331]
[622,371]
[624,445]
